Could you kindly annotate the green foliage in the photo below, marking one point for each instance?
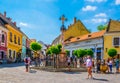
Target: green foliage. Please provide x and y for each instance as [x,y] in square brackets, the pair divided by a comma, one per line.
[35,46]
[67,52]
[48,52]
[59,46]
[54,50]
[101,27]
[75,52]
[89,52]
[112,52]
[79,53]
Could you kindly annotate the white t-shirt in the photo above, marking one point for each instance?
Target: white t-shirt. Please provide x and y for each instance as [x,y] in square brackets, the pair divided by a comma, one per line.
[88,62]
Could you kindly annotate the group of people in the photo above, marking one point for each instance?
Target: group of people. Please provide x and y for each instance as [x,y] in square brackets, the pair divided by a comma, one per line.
[109,64]
[30,61]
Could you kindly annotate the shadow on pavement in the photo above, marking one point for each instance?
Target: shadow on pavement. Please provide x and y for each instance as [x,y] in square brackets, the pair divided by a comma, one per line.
[11,65]
[100,79]
[32,71]
[72,72]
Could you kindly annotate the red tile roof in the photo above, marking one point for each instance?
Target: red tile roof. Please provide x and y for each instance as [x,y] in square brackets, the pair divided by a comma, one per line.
[87,36]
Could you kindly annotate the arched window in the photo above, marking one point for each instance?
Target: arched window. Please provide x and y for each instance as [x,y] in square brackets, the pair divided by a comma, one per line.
[10,37]
[3,38]
[15,39]
[10,52]
[18,40]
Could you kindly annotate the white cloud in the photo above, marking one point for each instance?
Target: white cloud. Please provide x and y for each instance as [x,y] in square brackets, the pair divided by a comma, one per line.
[99,20]
[89,8]
[101,15]
[117,2]
[96,1]
[23,24]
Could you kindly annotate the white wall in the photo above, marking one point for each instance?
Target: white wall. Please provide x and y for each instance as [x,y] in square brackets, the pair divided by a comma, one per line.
[86,44]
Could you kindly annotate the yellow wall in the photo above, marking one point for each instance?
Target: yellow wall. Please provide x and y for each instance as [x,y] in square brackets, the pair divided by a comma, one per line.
[108,43]
[12,45]
[77,29]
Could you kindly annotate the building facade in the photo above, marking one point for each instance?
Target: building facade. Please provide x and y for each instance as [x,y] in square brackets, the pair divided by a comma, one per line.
[73,30]
[14,38]
[3,42]
[112,38]
[92,41]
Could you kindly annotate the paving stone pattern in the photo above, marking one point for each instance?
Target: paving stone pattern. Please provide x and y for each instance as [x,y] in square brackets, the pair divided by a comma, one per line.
[16,74]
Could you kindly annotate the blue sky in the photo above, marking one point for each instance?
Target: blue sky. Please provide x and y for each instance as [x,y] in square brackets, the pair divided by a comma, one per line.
[39,19]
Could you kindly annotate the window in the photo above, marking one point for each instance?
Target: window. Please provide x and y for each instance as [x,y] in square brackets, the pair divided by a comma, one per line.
[3,38]
[116,41]
[18,40]
[10,37]
[14,54]
[15,39]
[10,53]
[2,55]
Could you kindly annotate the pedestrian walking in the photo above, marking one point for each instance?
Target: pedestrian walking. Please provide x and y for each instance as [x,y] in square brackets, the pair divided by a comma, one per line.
[117,64]
[27,63]
[68,62]
[110,63]
[89,66]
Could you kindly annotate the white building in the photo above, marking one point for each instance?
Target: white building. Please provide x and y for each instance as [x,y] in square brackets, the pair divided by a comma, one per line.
[92,41]
[44,47]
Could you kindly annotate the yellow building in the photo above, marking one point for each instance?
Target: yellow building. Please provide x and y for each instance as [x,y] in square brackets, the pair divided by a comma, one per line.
[112,38]
[14,39]
[73,30]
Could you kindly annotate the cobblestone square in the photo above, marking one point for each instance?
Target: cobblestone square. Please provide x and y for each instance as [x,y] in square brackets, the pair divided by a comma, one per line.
[16,74]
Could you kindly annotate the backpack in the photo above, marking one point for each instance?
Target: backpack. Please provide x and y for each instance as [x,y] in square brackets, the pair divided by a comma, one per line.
[26,60]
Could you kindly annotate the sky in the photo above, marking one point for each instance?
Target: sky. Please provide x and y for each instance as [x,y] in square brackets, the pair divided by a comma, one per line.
[39,19]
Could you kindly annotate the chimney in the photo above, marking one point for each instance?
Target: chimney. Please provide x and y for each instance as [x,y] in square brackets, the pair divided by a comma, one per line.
[4,13]
[9,19]
[15,23]
[75,20]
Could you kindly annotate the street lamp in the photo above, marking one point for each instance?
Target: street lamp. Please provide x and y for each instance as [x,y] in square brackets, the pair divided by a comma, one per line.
[95,57]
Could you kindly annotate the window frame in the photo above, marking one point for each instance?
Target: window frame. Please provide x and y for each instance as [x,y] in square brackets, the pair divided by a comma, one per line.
[3,38]
[118,41]
[10,36]
[15,39]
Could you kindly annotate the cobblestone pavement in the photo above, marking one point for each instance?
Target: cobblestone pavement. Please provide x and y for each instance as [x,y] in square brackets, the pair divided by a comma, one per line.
[17,74]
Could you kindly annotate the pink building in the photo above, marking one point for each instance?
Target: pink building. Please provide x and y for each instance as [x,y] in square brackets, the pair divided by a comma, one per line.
[3,42]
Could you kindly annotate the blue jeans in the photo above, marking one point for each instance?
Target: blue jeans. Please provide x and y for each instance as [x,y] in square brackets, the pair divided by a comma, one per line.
[110,66]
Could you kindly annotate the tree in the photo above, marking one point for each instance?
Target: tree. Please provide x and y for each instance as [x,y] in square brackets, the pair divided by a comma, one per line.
[55,50]
[79,53]
[35,46]
[112,52]
[89,52]
[75,52]
[101,27]
[59,46]
[67,52]
[48,52]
